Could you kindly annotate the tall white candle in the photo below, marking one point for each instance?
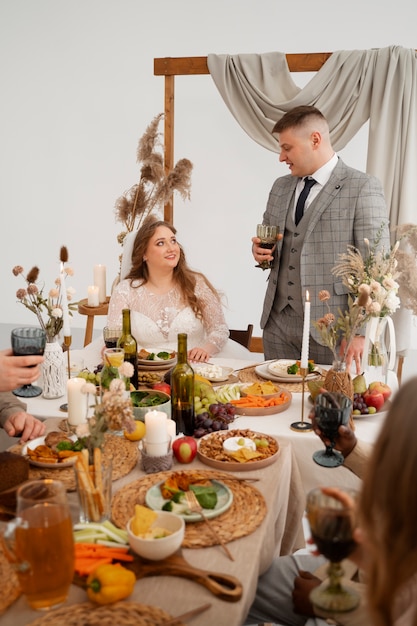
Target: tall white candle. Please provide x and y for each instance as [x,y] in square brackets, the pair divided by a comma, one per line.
[171,429]
[64,304]
[306,332]
[77,401]
[93,296]
[100,281]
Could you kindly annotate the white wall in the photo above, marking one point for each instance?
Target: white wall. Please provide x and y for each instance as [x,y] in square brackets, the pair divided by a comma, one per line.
[77,92]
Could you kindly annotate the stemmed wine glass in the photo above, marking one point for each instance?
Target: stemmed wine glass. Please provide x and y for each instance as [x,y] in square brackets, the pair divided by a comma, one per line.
[268,237]
[25,341]
[332,520]
[331,410]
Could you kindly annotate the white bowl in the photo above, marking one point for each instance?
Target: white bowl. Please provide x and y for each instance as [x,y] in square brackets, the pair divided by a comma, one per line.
[158,549]
[164,404]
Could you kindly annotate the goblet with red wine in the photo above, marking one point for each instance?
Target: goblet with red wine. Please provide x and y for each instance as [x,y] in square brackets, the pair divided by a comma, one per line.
[28,341]
[332,520]
[331,410]
[268,236]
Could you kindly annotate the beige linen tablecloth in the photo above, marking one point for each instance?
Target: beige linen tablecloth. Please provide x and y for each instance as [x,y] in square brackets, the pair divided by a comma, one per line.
[279,533]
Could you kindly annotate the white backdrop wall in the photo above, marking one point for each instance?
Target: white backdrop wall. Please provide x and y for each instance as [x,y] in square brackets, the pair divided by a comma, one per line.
[77,92]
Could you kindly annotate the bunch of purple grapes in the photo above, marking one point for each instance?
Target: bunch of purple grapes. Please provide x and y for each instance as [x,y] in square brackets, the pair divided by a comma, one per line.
[218,417]
[359,404]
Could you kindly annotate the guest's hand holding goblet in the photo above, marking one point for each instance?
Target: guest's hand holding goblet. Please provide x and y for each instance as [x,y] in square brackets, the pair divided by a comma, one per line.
[331,410]
[28,341]
[331,513]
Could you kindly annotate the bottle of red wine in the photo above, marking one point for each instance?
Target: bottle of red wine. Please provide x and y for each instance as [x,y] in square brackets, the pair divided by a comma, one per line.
[182,390]
[130,346]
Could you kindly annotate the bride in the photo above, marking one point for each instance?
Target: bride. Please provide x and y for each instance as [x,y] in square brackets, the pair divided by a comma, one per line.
[166,297]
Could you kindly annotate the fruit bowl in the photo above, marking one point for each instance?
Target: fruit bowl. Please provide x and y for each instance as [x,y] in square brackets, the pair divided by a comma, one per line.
[162,547]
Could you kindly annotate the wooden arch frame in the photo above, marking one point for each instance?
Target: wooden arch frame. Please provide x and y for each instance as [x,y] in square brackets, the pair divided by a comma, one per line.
[192,66]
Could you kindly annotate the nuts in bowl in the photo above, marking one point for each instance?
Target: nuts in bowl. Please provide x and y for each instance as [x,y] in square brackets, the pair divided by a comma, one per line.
[155,535]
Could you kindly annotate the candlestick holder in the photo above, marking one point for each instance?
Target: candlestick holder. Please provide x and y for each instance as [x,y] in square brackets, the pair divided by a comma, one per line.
[67,344]
[302,427]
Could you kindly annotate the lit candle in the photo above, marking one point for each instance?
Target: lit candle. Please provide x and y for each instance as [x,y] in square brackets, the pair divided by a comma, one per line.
[306,333]
[93,296]
[156,433]
[64,304]
[77,401]
[100,281]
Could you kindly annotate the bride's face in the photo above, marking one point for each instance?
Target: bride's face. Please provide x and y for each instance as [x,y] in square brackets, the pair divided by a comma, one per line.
[163,249]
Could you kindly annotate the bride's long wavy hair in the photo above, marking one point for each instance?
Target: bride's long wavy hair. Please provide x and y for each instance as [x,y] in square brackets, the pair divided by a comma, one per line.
[183,275]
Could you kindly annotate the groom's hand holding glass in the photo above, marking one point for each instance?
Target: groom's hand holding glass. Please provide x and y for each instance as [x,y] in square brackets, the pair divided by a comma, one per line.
[263,245]
[18,370]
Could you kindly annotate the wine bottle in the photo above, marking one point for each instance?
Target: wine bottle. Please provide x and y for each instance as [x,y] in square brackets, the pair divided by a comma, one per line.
[130,346]
[182,390]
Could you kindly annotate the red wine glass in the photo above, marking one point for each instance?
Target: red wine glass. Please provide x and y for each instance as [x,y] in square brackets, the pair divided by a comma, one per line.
[268,237]
[25,341]
[332,522]
[331,410]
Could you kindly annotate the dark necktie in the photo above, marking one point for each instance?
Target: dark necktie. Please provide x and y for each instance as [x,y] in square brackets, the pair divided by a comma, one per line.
[299,209]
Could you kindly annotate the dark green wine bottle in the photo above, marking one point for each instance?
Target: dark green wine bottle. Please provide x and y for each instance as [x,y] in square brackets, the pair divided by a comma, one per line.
[182,390]
[130,346]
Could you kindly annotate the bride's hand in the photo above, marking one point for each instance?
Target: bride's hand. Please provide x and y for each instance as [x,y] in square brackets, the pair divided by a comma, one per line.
[198,355]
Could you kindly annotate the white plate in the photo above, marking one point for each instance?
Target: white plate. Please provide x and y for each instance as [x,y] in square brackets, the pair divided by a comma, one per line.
[226,371]
[40,442]
[158,364]
[155,501]
[264,372]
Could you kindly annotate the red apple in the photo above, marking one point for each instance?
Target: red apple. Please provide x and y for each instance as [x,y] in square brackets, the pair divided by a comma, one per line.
[375,399]
[381,388]
[184,449]
[162,387]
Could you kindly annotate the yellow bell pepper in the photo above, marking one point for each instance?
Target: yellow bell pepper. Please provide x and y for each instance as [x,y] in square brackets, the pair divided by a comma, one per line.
[109,583]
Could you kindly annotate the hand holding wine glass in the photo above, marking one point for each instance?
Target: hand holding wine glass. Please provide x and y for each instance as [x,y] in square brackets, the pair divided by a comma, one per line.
[332,516]
[268,236]
[331,410]
[28,341]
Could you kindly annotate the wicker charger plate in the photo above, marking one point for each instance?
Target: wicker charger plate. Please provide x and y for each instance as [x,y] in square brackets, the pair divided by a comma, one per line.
[124,453]
[10,587]
[242,518]
[249,375]
[120,613]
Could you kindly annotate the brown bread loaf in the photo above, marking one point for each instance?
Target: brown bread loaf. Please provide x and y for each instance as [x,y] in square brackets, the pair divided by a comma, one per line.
[14,469]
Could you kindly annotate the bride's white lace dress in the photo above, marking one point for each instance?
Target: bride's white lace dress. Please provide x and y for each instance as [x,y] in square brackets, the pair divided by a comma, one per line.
[157,319]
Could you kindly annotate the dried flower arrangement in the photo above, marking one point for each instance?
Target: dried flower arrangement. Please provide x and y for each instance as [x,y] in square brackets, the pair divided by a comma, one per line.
[155,187]
[33,299]
[373,285]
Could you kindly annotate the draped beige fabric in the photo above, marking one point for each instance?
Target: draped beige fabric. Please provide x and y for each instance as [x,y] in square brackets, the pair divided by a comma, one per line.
[351,87]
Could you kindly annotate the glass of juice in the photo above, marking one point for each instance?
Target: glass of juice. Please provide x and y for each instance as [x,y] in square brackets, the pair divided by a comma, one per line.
[43,543]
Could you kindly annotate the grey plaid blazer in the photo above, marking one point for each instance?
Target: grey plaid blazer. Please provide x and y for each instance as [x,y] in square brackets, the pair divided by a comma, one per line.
[349,208]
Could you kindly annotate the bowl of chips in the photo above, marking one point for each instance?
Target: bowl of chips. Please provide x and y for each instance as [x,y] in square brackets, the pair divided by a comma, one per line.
[155,535]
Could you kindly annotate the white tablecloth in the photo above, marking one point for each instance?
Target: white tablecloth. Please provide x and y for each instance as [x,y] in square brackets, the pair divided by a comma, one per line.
[304,443]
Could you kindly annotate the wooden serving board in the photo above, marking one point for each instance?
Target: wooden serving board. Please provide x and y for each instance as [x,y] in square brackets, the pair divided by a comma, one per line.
[223,586]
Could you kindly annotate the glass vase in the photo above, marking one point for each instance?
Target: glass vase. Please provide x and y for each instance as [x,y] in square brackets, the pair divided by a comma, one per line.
[54,375]
[379,350]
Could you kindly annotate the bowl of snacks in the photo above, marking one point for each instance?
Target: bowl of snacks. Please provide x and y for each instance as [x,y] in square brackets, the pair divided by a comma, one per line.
[266,389]
[146,400]
[155,535]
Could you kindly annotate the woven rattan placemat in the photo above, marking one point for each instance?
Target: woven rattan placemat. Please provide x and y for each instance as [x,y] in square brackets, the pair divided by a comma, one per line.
[246,513]
[10,587]
[118,614]
[124,453]
[249,375]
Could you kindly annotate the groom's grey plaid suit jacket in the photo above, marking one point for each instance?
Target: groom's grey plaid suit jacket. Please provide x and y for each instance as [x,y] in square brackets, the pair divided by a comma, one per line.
[349,208]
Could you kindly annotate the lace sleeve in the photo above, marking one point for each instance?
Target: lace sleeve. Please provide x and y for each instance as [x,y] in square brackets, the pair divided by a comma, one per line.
[216,329]
[120,299]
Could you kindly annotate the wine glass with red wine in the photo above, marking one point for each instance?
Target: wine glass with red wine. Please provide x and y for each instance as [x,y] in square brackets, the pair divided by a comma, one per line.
[332,520]
[111,335]
[268,237]
[331,410]
[25,341]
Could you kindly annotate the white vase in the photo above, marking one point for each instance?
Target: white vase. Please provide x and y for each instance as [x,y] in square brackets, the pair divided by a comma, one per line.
[54,374]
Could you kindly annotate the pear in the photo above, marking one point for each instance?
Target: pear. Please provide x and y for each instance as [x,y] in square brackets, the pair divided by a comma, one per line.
[359,384]
[314,387]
